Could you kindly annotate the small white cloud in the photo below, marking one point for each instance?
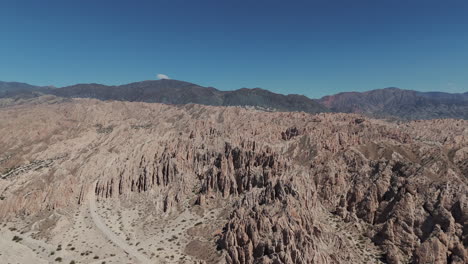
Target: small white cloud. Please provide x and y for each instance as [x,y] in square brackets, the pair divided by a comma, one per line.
[163,76]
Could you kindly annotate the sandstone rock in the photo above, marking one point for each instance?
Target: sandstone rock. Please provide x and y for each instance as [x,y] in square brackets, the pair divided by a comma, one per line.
[296,188]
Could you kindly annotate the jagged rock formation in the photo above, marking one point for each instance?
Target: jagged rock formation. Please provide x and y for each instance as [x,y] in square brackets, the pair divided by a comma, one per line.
[293,187]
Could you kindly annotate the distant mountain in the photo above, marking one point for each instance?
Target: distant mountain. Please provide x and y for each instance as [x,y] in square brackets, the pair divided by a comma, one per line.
[382,103]
[179,92]
[398,103]
[15,89]
[266,99]
[16,86]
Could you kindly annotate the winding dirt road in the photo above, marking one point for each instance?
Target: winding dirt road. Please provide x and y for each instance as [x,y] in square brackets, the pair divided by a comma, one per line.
[111,235]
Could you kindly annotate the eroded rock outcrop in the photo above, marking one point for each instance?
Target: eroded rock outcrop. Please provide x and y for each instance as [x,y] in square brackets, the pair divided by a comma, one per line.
[296,188]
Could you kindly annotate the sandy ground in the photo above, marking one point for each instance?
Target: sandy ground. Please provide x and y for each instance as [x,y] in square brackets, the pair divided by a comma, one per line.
[19,252]
[106,232]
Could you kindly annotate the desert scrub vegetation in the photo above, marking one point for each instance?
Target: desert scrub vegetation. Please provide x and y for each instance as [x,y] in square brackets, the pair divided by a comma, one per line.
[8,171]
[104,130]
[17,239]
[31,166]
[174,237]
[145,126]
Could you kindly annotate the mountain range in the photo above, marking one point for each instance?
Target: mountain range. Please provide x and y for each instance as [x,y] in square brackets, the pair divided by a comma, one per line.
[392,103]
[398,103]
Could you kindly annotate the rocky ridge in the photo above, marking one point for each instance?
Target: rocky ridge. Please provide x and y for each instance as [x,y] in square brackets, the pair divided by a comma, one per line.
[289,187]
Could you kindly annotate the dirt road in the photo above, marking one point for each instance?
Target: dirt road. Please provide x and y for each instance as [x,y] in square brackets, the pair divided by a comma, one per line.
[111,235]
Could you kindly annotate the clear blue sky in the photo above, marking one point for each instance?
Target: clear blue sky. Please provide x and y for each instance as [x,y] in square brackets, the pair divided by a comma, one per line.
[306,47]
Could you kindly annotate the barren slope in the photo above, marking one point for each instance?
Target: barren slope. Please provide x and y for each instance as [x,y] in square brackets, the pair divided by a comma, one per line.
[201,184]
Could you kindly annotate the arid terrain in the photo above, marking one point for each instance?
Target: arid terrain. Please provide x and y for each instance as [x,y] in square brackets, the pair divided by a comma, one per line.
[88,181]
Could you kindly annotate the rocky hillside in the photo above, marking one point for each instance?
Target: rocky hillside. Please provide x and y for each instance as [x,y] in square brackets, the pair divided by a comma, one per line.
[402,104]
[87,180]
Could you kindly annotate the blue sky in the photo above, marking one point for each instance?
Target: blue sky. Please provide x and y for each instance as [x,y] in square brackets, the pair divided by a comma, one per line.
[307,47]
